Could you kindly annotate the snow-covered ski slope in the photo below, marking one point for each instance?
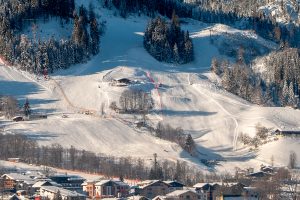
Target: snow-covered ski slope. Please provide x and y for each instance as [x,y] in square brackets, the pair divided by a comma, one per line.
[189,98]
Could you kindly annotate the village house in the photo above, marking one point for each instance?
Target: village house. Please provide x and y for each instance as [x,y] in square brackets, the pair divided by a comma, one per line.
[137,197]
[258,175]
[174,185]
[179,195]
[207,191]
[121,82]
[69,182]
[37,185]
[89,187]
[234,190]
[152,188]
[111,188]
[266,169]
[251,193]
[51,191]
[234,197]
[15,181]
[287,133]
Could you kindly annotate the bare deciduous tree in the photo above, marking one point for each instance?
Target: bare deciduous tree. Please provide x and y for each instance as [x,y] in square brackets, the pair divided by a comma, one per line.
[292,160]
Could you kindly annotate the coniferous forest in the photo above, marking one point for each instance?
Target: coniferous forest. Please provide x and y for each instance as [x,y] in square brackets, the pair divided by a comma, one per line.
[278,85]
[38,56]
[167,42]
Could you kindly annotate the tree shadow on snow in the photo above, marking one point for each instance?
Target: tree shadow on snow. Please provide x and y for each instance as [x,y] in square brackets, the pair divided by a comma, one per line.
[187,113]
[18,89]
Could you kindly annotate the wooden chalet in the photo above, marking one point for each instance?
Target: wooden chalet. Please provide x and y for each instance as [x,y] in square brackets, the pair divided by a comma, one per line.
[288,133]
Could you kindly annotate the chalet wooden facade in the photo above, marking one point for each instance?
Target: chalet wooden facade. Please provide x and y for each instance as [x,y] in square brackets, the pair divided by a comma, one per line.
[89,187]
[111,188]
[51,191]
[152,188]
[12,180]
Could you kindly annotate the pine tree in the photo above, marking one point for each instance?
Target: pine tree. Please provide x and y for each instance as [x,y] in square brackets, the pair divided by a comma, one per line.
[26,108]
[123,8]
[57,196]
[95,37]
[291,98]
[176,54]
[76,30]
[189,145]
[188,50]
[215,66]
[227,80]
[285,94]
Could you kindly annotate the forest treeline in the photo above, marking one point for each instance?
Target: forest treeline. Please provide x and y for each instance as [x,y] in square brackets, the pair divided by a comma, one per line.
[35,55]
[27,149]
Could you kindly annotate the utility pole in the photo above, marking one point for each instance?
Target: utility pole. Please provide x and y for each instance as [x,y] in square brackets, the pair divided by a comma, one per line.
[155,161]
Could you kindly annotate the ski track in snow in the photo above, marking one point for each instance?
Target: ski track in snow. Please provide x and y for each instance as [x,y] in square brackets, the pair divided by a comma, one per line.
[236,134]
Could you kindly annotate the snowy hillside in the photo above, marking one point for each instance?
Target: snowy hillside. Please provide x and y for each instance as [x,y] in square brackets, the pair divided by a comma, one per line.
[189,98]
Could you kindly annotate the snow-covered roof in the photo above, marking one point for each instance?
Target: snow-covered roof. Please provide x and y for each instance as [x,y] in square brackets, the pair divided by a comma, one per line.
[17,176]
[170,182]
[118,182]
[200,185]
[147,183]
[41,183]
[179,192]
[63,192]
[137,197]
[102,182]
[160,197]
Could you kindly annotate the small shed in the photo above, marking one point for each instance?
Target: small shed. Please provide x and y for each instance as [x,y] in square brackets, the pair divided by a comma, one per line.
[122,82]
[18,118]
[288,133]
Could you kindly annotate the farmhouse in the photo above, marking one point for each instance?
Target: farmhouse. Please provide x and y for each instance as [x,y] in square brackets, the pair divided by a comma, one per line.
[13,181]
[70,182]
[207,190]
[288,133]
[51,191]
[111,188]
[152,188]
[121,82]
[174,185]
[181,195]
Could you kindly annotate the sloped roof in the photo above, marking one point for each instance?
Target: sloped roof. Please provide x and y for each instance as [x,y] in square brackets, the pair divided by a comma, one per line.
[17,177]
[41,183]
[147,183]
[137,197]
[200,185]
[63,192]
[173,182]
[118,182]
[102,182]
[179,192]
